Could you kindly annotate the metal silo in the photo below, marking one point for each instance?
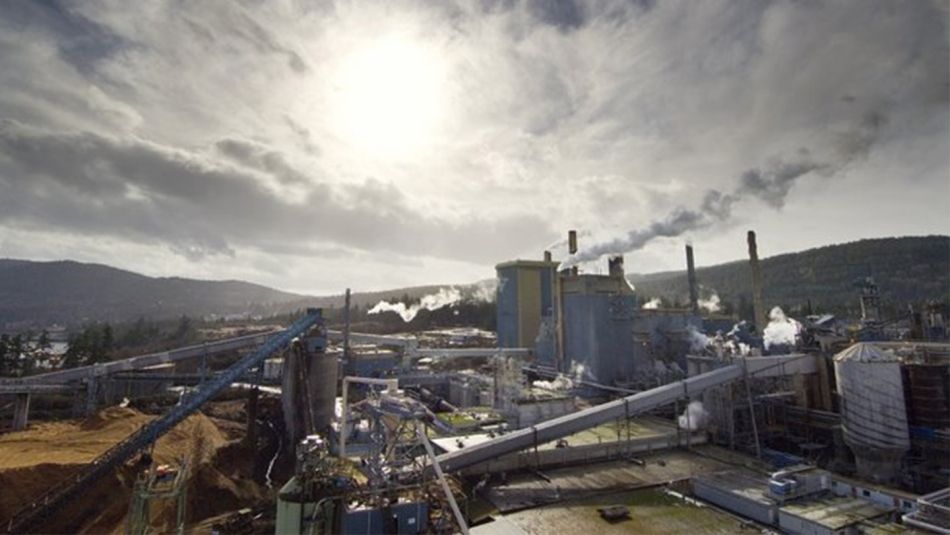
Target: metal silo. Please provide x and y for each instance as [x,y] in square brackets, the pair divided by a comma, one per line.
[873,413]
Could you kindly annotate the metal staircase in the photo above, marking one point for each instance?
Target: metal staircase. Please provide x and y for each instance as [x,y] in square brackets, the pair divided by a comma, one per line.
[43,507]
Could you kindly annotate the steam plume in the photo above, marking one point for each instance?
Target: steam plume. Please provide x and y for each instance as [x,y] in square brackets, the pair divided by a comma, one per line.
[444,297]
[781,329]
[771,184]
[711,304]
[694,417]
[698,341]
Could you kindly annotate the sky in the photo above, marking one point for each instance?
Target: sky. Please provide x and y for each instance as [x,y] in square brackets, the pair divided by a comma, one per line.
[314,146]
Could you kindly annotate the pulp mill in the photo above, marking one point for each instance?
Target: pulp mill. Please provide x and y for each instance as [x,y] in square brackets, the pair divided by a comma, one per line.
[587,406]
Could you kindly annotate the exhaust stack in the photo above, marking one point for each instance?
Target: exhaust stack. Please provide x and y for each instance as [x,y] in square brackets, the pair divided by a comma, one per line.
[691,279]
[615,266]
[759,309]
[572,247]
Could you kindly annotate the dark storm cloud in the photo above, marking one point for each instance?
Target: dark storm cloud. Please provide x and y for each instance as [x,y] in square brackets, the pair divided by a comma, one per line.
[80,42]
[197,205]
[563,14]
[257,156]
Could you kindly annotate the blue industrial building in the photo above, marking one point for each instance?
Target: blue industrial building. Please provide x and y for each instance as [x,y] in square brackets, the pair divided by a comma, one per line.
[526,310]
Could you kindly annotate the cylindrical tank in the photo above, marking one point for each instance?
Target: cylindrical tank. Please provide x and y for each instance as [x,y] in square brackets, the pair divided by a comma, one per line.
[323,381]
[873,411]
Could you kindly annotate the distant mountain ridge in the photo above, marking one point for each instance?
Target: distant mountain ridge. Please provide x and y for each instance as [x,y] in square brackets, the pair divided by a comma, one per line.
[70,292]
[907,270]
[910,269]
[66,292]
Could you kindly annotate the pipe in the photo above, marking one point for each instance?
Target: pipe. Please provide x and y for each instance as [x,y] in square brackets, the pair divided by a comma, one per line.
[757,306]
[691,279]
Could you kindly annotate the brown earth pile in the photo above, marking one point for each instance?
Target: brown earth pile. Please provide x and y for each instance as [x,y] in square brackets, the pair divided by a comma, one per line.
[33,460]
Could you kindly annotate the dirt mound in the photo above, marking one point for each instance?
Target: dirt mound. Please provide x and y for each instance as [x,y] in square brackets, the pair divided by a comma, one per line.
[20,484]
[110,418]
[33,460]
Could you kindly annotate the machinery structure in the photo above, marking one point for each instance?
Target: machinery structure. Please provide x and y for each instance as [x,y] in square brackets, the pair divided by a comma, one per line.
[44,506]
[158,483]
[383,491]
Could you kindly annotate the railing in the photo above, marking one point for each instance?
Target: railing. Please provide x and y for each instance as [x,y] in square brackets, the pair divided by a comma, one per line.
[42,507]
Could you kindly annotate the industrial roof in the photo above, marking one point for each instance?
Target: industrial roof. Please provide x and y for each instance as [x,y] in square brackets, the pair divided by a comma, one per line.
[836,513]
[866,352]
[528,264]
[745,483]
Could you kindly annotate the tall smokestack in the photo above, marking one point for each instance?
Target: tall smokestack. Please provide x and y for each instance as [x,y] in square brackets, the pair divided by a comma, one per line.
[691,279]
[757,306]
[615,266]
[572,247]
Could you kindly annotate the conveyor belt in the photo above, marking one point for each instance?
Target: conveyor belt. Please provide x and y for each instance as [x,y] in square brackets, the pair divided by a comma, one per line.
[31,517]
[563,426]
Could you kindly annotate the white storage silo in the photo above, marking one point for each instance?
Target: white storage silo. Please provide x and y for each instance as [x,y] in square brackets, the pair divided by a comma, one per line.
[873,412]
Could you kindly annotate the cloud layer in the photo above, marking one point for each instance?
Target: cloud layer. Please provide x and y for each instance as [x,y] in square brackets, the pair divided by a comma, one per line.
[223,139]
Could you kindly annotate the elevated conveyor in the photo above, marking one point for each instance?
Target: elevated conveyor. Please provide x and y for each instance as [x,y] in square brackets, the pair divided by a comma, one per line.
[563,426]
[139,362]
[31,517]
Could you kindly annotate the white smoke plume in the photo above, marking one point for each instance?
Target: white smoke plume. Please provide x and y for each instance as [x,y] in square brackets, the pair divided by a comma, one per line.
[694,417]
[771,184]
[444,297]
[578,371]
[564,381]
[560,383]
[652,304]
[715,207]
[711,304]
[485,291]
[781,329]
[697,340]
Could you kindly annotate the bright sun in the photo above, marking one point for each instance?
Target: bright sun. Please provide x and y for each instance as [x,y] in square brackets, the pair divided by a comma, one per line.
[388,97]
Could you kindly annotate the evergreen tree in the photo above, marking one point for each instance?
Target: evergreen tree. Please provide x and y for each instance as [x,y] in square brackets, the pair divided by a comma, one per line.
[5,356]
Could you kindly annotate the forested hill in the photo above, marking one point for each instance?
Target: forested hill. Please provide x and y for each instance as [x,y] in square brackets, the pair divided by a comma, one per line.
[69,292]
[38,294]
[907,270]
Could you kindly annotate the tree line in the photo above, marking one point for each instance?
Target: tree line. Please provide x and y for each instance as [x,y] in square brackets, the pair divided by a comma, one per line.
[21,353]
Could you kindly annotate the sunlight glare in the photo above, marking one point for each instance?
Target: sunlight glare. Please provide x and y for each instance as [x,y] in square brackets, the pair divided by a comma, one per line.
[389,97]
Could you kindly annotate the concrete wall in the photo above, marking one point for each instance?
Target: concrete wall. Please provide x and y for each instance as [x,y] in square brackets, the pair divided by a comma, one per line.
[764,513]
[797,525]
